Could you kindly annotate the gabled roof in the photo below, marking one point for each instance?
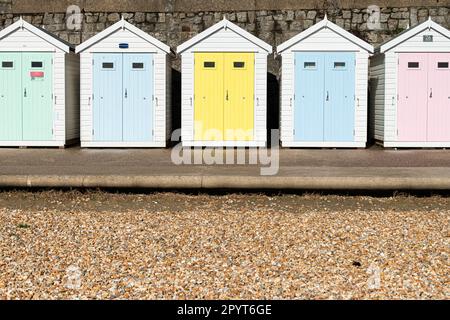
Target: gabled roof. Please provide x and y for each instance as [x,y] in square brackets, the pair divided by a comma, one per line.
[224,24]
[122,24]
[39,32]
[325,23]
[409,33]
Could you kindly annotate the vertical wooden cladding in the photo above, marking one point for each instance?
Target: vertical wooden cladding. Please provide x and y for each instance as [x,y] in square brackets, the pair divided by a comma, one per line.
[10,96]
[324,88]
[26,95]
[239,85]
[424,97]
[224,96]
[37,82]
[209,96]
[123,97]
[324,96]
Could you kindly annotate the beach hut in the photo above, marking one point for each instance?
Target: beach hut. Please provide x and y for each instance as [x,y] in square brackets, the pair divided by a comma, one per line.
[125,89]
[324,88]
[224,88]
[410,89]
[39,86]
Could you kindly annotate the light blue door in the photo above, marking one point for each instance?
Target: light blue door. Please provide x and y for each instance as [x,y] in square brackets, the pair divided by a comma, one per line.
[309,96]
[138,101]
[108,93]
[339,121]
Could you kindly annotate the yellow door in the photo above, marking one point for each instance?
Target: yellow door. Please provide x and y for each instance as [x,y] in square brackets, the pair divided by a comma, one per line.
[239,120]
[224,96]
[208,97]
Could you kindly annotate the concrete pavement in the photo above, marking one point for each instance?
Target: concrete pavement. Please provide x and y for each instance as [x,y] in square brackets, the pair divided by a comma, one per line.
[372,169]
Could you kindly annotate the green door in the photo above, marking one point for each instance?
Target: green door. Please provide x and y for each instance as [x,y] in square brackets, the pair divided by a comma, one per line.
[37,96]
[10,97]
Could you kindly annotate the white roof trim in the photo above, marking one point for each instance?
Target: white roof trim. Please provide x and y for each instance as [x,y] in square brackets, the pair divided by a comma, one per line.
[122,24]
[22,24]
[224,24]
[325,23]
[429,24]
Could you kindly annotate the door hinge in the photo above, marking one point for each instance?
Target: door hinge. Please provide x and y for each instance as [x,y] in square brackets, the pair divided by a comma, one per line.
[293,131]
[397,132]
[53,131]
[354,133]
[52,61]
[153,133]
[93,62]
[93,131]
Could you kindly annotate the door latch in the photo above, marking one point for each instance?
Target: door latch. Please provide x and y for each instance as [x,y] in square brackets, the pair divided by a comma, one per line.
[126,93]
[227,96]
[25,92]
[328,96]
[431,92]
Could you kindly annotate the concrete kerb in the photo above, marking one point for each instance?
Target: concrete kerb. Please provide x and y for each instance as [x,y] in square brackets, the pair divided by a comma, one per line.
[225,182]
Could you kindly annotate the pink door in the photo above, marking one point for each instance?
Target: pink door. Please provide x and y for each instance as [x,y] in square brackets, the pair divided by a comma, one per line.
[412,97]
[439,97]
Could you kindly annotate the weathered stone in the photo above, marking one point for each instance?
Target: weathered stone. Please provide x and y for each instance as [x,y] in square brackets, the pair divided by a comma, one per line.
[113,17]
[58,18]
[423,13]
[241,16]
[413,17]
[289,16]
[311,15]
[357,18]
[151,17]
[403,24]
[91,18]
[300,15]
[296,26]
[392,24]
[340,22]
[308,23]
[251,17]
[139,17]
[48,19]
[384,17]
[37,20]
[100,26]
[75,38]
[400,15]
[347,14]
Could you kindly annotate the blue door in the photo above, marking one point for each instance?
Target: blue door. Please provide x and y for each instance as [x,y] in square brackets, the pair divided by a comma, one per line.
[309,96]
[138,97]
[324,97]
[339,121]
[107,97]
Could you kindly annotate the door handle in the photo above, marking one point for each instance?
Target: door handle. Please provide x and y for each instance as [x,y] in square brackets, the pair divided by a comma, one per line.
[431,92]
[126,93]
[328,96]
[227,96]
[25,92]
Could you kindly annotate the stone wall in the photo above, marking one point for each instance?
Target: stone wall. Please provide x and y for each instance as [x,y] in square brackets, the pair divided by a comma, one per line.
[273,26]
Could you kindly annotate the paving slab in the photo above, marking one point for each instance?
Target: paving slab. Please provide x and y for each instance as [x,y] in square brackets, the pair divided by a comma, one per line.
[374,168]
